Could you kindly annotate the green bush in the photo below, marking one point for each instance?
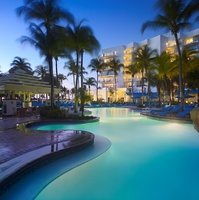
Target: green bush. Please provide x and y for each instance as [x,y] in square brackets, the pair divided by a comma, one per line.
[57,113]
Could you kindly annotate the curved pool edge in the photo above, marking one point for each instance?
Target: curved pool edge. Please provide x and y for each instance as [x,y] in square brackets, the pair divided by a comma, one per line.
[100,146]
[166,118]
[16,168]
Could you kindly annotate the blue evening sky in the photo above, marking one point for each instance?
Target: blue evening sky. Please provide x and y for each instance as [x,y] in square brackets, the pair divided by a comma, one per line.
[114,22]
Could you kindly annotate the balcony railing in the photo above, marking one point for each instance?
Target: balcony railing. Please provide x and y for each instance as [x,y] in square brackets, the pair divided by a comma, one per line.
[107,73]
[109,55]
[107,81]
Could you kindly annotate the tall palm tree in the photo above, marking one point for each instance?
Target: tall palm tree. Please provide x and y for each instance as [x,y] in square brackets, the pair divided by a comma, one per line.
[115,66]
[61,78]
[48,13]
[98,66]
[41,71]
[143,58]
[20,63]
[72,67]
[164,68]
[39,40]
[173,17]
[90,82]
[81,39]
[132,70]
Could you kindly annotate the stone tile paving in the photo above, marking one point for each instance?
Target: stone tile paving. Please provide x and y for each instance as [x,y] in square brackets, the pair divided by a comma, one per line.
[14,143]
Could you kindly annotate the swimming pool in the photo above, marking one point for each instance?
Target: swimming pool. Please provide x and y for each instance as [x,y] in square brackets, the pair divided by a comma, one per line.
[148,159]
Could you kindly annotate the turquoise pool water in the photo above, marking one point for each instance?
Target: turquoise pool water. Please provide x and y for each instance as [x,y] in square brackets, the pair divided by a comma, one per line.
[148,160]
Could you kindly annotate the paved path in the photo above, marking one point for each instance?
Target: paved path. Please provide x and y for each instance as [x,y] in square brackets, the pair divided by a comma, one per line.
[14,142]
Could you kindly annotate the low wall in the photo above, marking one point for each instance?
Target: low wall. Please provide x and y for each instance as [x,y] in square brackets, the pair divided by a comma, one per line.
[195,118]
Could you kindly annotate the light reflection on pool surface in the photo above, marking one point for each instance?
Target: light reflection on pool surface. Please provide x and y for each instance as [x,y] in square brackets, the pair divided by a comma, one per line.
[148,159]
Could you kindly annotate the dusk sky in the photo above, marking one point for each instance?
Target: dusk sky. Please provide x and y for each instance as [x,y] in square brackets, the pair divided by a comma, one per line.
[114,23]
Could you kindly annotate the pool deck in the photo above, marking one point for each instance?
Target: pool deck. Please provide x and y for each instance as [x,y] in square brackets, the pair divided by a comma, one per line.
[19,148]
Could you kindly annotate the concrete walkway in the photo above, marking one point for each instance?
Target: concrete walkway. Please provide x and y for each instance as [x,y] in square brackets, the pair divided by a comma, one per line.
[14,142]
[24,149]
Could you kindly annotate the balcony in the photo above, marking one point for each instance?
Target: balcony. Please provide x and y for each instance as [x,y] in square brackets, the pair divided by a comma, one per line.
[169,45]
[128,52]
[107,81]
[128,80]
[109,55]
[106,73]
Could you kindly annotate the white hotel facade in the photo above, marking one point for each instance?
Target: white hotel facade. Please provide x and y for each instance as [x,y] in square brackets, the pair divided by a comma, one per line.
[124,53]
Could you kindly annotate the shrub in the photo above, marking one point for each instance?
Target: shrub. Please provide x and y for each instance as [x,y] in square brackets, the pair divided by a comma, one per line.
[57,113]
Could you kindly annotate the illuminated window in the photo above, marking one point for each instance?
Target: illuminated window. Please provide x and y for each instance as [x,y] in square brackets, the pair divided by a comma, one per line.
[188,41]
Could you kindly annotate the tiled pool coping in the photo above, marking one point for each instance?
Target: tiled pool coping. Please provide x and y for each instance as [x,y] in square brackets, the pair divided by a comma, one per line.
[14,169]
[67,163]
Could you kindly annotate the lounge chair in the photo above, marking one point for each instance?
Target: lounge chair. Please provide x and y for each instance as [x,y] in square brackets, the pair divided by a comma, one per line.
[175,110]
[185,112]
[155,112]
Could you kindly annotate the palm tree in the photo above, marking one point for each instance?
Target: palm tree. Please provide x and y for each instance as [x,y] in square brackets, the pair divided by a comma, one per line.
[115,66]
[90,82]
[98,66]
[192,76]
[174,18]
[187,60]
[41,71]
[72,91]
[81,39]
[39,40]
[164,70]
[143,58]
[192,9]
[132,70]
[72,67]
[61,77]
[48,13]
[20,63]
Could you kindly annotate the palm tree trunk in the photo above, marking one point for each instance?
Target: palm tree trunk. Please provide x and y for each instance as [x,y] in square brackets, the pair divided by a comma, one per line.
[149,91]
[142,88]
[77,82]
[89,90]
[115,89]
[97,88]
[132,87]
[50,63]
[168,87]
[82,86]
[56,60]
[180,72]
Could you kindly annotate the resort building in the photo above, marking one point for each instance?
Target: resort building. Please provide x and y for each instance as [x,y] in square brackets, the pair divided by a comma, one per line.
[19,88]
[124,53]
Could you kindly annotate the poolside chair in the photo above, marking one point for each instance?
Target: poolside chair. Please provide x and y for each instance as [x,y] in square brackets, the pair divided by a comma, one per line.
[155,112]
[185,112]
[175,110]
